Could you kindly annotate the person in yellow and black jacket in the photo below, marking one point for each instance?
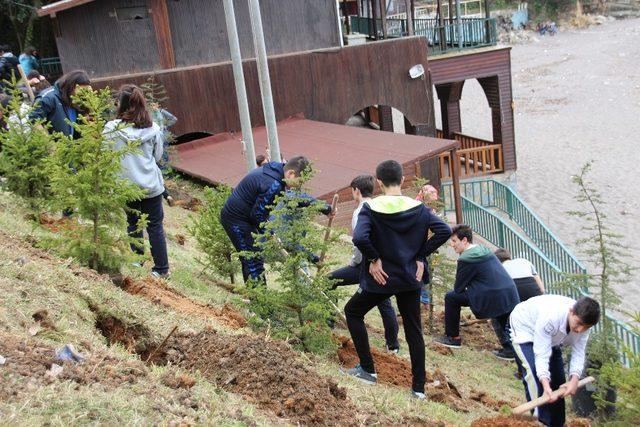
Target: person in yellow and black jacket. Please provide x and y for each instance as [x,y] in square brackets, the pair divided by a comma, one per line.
[392,234]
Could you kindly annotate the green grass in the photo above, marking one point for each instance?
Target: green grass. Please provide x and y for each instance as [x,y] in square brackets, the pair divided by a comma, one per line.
[31,280]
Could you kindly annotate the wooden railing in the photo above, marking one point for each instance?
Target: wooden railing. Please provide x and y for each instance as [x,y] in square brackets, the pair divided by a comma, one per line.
[476,157]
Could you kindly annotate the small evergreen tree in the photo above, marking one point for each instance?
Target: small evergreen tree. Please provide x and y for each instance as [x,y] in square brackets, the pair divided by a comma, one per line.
[211,237]
[297,304]
[603,250]
[25,148]
[442,269]
[605,253]
[86,176]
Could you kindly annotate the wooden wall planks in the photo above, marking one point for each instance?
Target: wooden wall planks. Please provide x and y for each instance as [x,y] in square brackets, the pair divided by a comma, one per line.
[328,85]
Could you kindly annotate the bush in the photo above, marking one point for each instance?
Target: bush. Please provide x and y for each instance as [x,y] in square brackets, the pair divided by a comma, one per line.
[211,237]
[627,384]
[298,304]
[25,148]
[85,175]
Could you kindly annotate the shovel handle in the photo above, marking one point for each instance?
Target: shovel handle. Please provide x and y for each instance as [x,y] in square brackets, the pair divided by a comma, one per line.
[521,409]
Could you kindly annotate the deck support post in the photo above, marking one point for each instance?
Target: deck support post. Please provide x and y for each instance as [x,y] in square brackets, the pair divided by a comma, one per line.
[241,89]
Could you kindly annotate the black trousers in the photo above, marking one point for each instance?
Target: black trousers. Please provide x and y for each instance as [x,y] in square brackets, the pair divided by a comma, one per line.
[409,305]
[453,303]
[527,288]
[350,275]
[155,215]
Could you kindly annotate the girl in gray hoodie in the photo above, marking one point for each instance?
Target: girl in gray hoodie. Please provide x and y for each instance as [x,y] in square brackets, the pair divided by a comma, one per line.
[133,123]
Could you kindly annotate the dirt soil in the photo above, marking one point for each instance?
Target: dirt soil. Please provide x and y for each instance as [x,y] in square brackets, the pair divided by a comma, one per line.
[395,370]
[496,404]
[267,373]
[479,336]
[507,421]
[28,366]
[578,422]
[159,292]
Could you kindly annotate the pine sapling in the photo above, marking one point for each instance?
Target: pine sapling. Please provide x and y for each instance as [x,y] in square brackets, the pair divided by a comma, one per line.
[86,177]
[442,269]
[25,148]
[605,253]
[297,304]
[219,253]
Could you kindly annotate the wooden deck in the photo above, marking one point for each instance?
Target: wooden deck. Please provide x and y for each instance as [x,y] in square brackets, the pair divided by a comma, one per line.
[339,153]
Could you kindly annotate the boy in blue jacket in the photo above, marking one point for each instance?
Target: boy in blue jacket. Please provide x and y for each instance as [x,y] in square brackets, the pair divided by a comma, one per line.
[392,234]
[482,283]
[250,204]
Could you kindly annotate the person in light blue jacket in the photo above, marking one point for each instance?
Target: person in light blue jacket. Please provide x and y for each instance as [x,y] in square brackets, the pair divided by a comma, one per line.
[28,60]
[133,123]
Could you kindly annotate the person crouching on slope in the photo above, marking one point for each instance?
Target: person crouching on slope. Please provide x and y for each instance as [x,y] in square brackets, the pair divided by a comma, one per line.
[481,283]
[392,234]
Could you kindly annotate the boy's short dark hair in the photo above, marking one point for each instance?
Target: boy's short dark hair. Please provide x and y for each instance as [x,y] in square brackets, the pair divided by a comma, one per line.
[389,172]
[588,310]
[297,164]
[462,231]
[502,254]
[260,158]
[365,183]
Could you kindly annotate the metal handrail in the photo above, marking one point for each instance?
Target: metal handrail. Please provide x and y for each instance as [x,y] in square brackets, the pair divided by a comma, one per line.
[470,34]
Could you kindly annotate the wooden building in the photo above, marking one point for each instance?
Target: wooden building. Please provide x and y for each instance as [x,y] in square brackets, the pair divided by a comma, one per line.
[114,37]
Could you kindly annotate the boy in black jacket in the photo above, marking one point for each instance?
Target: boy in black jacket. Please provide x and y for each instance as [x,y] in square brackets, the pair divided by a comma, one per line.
[392,235]
[482,283]
[250,204]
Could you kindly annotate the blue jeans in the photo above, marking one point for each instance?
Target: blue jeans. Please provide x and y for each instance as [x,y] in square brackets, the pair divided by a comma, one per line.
[350,275]
[155,215]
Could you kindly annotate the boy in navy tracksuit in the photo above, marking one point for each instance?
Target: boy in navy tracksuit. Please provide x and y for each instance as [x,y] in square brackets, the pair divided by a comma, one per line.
[482,283]
[391,233]
[250,203]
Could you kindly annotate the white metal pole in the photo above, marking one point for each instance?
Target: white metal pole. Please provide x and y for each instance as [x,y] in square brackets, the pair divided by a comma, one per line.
[241,90]
[265,80]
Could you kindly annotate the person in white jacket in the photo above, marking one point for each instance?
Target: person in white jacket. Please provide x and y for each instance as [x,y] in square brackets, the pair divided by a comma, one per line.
[540,327]
[134,123]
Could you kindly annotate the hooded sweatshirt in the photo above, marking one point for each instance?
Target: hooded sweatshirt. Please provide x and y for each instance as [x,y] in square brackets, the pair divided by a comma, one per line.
[251,200]
[395,229]
[490,289]
[139,168]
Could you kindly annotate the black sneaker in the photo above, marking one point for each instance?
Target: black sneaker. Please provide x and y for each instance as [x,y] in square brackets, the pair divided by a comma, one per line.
[449,341]
[505,354]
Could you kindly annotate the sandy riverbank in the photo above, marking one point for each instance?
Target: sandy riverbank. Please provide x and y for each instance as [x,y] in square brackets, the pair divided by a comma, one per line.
[577,98]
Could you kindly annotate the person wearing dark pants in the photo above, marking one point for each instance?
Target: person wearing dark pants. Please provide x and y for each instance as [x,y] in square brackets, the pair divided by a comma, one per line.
[351,276]
[155,215]
[362,188]
[528,284]
[392,234]
[409,306]
[481,283]
[133,125]
[249,206]
[540,327]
